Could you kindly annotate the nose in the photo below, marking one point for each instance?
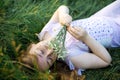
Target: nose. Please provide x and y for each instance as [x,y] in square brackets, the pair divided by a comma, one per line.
[50,51]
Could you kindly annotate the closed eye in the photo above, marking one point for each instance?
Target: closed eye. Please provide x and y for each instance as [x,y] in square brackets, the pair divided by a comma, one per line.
[39,52]
[42,52]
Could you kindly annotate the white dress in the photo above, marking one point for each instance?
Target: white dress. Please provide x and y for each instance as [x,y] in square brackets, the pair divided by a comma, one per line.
[104,26]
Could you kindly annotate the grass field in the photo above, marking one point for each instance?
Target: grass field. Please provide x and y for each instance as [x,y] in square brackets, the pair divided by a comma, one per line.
[20,20]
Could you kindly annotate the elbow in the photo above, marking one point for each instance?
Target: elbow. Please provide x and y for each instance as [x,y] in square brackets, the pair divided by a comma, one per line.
[63,8]
[108,62]
[107,59]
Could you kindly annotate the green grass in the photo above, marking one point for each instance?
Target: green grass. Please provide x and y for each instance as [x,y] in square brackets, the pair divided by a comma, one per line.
[20,20]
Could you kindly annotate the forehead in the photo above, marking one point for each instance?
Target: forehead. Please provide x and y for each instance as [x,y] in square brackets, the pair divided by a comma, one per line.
[35,46]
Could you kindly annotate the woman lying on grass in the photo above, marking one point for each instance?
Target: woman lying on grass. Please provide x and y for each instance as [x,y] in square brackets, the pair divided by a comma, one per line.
[86,40]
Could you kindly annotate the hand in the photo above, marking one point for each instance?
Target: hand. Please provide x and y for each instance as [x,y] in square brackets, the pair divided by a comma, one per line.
[65,19]
[77,32]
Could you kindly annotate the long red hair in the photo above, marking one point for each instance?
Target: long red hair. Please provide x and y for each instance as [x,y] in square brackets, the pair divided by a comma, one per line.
[28,59]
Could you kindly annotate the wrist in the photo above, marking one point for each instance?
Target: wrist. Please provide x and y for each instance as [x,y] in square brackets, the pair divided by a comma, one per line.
[86,38]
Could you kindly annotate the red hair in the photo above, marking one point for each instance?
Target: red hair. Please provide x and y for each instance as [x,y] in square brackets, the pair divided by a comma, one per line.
[28,59]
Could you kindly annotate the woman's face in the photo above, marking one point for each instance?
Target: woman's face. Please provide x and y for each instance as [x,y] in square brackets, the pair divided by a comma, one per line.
[45,55]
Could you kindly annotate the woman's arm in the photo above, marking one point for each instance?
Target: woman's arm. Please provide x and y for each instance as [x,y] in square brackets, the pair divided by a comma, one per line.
[61,15]
[100,56]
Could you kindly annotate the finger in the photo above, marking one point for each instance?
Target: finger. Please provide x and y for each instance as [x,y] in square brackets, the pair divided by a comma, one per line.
[71,30]
[67,24]
[78,28]
[73,33]
[67,27]
[74,30]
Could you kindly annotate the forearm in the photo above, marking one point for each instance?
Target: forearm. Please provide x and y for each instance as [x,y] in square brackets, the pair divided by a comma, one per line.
[61,16]
[64,17]
[97,49]
[59,12]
